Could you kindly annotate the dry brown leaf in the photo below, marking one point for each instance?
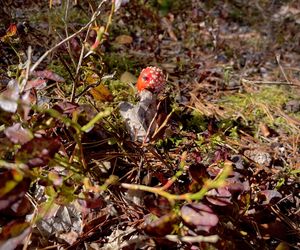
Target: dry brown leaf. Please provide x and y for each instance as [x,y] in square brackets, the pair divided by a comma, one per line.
[101,93]
[124,39]
[264,129]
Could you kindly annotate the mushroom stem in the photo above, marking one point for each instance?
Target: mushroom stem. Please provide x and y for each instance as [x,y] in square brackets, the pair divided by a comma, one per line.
[139,118]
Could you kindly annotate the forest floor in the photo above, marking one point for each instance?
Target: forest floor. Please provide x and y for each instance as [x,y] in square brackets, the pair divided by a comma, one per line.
[221,172]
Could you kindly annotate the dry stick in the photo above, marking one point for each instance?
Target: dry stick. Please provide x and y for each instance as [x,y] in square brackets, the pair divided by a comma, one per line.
[24,81]
[262,82]
[66,66]
[68,38]
[281,69]
[110,16]
[193,239]
[67,9]
[152,150]
[151,123]
[35,212]
[275,209]
[163,124]
[67,33]
[80,62]
[268,82]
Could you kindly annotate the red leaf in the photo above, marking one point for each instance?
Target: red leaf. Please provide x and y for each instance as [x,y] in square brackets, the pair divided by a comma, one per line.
[235,184]
[38,152]
[36,83]
[11,31]
[47,74]
[199,216]
[219,197]
[269,195]
[198,172]
[92,201]
[66,107]
[158,206]
[18,134]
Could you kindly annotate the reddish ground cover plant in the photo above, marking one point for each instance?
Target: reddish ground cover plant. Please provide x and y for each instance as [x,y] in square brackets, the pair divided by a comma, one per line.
[200,151]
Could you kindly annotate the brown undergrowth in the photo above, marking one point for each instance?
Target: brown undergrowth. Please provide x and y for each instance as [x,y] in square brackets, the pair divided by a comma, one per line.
[222,172]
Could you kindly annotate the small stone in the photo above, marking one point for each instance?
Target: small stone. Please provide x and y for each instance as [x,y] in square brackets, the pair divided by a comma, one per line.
[258,156]
[292,106]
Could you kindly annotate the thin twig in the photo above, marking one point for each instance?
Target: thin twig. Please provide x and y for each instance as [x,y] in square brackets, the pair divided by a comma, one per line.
[218,181]
[269,82]
[64,63]
[193,239]
[151,123]
[24,80]
[164,124]
[65,20]
[67,10]
[281,69]
[263,82]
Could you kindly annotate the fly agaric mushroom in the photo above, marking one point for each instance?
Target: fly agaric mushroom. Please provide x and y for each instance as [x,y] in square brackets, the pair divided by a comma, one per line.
[152,79]
[140,118]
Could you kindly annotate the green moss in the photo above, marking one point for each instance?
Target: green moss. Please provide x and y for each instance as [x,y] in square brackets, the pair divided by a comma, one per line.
[234,132]
[197,122]
[254,103]
[216,140]
[261,106]
[163,7]
[237,15]
[225,125]
[55,17]
[58,68]
[121,91]
[121,63]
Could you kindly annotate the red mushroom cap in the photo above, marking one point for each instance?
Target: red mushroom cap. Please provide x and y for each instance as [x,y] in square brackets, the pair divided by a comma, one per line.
[152,79]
